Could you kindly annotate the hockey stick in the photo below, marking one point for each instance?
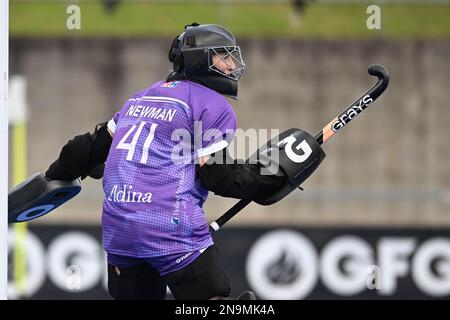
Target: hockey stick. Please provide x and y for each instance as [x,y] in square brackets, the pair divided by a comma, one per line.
[328,131]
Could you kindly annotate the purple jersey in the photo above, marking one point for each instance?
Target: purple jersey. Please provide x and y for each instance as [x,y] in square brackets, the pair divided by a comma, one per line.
[153,198]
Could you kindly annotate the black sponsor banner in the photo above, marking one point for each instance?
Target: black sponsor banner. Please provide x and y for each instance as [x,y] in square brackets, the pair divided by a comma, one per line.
[338,263]
[63,262]
[276,263]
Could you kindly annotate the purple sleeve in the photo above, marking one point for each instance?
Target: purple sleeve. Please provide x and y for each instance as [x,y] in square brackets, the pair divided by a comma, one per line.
[113,122]
[217,127]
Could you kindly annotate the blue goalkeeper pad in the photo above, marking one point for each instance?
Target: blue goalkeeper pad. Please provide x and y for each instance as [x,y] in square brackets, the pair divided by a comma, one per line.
[37,196]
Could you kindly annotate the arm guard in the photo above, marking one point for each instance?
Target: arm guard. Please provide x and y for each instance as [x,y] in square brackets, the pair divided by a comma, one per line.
[82,156]
[229,178]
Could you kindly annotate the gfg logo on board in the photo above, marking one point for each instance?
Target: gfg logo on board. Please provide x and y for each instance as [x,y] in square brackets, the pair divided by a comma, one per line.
[284,264]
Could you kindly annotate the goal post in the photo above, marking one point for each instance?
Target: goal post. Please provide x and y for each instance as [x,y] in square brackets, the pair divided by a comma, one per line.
[4,37]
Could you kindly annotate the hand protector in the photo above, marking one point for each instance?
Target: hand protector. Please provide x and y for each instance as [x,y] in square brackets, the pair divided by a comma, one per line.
[295,154]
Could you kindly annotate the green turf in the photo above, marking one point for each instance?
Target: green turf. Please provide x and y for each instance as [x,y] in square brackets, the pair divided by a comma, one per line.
[319,21]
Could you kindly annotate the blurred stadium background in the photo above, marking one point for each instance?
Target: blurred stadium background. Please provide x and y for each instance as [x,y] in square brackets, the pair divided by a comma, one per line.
[372,223]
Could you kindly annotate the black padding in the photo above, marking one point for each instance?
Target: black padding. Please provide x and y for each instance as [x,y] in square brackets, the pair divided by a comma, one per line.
[101,142]
[96,172]
[82,155]
[285,155]
[203,279]
[140,282]
[38,196]
[234,179]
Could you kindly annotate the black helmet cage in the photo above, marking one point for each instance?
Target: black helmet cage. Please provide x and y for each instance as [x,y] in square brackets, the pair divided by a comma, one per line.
[235,64]
[199,62]
[192,55]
